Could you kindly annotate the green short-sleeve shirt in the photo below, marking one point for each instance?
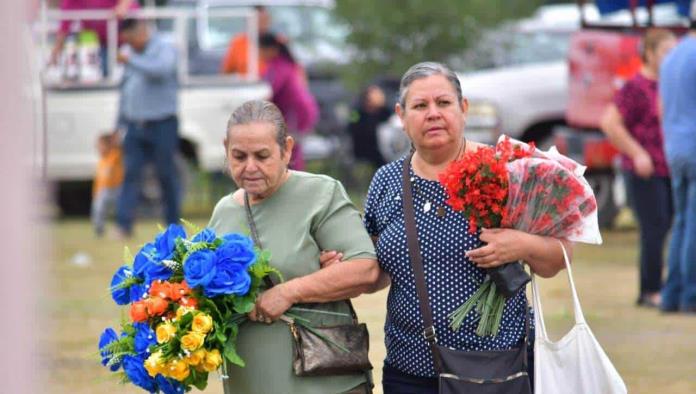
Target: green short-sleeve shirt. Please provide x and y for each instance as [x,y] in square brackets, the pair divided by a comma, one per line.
[307,214]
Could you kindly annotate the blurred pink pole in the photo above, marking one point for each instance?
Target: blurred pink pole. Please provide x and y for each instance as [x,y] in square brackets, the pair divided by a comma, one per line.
[19,372]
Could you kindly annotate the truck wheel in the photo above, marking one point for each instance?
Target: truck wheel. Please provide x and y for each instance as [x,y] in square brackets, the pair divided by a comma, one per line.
[74,198]
[602,184]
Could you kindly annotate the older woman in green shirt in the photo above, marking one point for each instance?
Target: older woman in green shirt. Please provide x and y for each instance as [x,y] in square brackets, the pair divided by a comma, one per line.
[297,215]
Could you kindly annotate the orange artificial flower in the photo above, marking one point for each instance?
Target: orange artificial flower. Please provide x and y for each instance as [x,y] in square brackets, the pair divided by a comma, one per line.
[189,302]
[156,306]
[178,290]
[160,289]
[138,311]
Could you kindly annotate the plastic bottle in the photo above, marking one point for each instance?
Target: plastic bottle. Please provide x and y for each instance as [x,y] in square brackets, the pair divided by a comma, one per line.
[90,61]
[71,64]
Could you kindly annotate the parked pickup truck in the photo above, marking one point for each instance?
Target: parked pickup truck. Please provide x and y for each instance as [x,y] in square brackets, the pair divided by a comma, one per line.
[76,112]
[515,81]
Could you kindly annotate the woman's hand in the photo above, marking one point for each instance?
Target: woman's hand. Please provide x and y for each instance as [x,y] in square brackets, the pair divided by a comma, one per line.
[504,245]
[643,164]
[272,303]
[329,257]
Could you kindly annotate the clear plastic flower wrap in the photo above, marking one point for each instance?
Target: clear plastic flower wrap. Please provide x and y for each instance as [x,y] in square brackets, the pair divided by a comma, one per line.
[515,185]
[548,195]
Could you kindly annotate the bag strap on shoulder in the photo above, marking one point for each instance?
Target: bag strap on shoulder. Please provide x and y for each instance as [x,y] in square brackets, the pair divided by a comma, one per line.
[417,264]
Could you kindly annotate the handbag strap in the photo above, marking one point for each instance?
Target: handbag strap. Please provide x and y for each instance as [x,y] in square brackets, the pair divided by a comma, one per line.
[538,310]
[255,236]
[417,265]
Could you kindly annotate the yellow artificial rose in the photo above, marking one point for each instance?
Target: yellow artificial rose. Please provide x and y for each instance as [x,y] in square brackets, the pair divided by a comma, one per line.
[178,369]
[182,310]
[192,341]
[202,323]
[212,361]
[195,358]
[154,364]
[165,332]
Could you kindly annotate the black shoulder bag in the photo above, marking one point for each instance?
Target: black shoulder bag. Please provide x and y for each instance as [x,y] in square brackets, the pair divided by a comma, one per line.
[471,372]
[313,354]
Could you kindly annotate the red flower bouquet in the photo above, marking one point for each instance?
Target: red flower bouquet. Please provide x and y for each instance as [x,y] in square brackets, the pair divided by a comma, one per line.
[514,185]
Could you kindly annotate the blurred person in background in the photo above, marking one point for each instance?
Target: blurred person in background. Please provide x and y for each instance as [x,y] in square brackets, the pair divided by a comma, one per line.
[632,123]
[120,8]
[290,92]
[237,55]
[148,110]
[107,180]
[370,112]
[678,95]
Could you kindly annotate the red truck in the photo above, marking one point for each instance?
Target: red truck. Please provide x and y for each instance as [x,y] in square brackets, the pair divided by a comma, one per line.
[602,56]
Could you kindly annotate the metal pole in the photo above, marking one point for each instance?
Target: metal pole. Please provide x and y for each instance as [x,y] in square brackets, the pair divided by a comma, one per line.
[583,17]
[111,47]
[634,18]
[650,5]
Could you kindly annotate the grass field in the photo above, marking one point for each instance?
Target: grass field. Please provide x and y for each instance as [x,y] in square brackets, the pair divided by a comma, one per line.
[654,353]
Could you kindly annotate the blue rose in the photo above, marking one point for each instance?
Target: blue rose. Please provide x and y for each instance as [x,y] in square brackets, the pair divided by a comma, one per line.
[120,293]
[168,386]
[136,372]
[207,235]
[136,292]
[144,338]
[230,278]
[199,268]
[107,337]
[237,249]
[166,241]
[148,266]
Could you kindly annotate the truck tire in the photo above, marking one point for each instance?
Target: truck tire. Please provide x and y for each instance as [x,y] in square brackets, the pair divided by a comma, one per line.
[74,198]
[603,186]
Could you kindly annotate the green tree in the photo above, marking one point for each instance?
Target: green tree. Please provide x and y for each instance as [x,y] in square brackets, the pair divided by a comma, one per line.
[388,36]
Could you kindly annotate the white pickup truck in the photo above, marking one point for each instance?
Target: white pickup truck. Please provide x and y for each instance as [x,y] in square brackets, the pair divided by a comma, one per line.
[515,81]
[75,113]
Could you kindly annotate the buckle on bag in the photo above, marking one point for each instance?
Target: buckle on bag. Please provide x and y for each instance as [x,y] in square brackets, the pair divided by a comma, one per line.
[429,334]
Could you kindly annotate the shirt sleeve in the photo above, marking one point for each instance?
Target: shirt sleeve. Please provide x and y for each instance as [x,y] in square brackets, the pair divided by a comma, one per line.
[370,220]
[158,63]
[338,227]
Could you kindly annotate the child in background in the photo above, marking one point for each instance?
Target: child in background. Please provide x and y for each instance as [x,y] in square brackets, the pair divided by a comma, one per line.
[107,180]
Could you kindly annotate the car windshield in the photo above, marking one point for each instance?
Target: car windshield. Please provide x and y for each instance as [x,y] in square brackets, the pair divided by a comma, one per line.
[508,47]
[312,32]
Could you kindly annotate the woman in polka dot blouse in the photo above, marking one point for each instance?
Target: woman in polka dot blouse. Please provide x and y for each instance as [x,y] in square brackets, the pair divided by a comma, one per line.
[433,113]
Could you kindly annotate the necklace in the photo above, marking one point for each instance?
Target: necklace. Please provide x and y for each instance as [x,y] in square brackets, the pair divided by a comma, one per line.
[427,206]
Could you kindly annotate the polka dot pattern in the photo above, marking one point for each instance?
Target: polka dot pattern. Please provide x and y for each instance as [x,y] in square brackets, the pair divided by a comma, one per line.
[450,277]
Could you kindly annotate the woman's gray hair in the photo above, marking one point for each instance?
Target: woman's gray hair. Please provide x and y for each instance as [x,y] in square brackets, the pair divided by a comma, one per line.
[424,70]
[261,111]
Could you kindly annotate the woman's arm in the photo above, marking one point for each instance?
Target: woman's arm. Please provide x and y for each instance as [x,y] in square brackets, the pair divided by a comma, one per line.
[613,126]
[543,254]
[335,282]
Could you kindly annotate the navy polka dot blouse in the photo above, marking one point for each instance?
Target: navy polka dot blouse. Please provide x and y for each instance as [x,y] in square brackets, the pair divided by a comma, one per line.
[450,277]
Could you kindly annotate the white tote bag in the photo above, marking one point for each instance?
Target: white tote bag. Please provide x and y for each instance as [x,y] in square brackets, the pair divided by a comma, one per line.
[576,364]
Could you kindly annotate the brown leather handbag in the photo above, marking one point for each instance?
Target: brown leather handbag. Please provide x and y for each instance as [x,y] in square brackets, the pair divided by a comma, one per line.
[315,356]
[315,352]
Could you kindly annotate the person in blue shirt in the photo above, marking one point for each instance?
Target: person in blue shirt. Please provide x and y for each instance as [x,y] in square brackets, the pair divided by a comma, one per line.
[148,112]
[678,94]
